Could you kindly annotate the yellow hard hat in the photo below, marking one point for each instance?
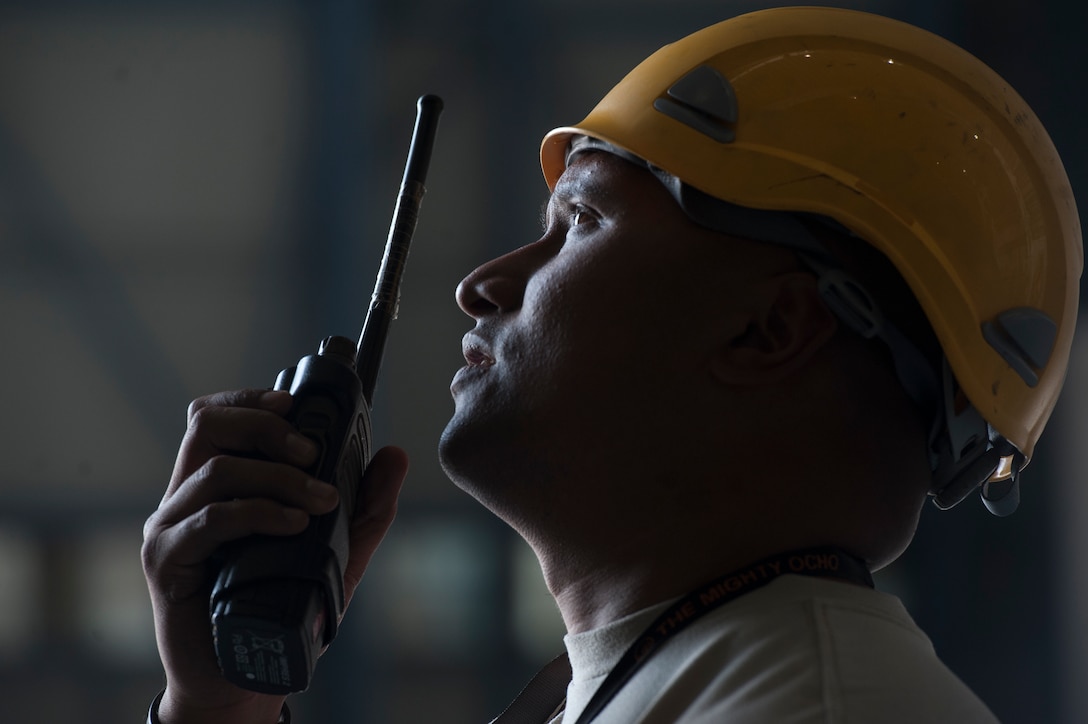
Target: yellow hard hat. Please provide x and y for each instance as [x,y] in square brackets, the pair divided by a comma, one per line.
[908,141]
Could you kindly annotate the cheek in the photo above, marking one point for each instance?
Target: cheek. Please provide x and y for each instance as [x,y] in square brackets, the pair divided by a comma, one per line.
[547,312]
[621,315]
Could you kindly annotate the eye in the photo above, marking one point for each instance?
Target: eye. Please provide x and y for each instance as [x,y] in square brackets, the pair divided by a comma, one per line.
[581,216]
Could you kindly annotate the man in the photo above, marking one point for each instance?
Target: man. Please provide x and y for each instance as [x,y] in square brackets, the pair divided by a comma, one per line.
[799,271]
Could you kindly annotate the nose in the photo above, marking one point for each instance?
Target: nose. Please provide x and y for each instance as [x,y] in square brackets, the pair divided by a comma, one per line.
[497,286]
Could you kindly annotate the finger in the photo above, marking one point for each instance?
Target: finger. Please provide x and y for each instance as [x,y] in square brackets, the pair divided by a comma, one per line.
[277,401]
[245,421]
[226,477]
[244,430]
[214,430]
[192,540]
[377,507]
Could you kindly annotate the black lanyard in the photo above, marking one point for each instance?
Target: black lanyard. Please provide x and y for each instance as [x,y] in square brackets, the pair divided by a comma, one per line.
[816,562]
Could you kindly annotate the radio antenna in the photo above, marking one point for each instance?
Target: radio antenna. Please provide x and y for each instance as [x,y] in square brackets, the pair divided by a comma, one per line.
[385,301]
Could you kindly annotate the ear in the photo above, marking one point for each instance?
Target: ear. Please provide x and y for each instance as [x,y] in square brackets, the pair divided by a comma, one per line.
[788,323]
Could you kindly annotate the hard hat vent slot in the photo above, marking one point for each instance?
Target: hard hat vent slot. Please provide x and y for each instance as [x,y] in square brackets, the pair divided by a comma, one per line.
[1024,337]
[703,100]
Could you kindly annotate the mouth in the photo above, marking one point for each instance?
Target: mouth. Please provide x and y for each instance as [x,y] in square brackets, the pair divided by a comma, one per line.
[476,352]
[478,358]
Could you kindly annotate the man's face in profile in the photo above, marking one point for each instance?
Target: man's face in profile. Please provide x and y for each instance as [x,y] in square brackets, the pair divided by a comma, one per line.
[587,339]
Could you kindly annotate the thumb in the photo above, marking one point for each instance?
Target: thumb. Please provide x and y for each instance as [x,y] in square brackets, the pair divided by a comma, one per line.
[374,512]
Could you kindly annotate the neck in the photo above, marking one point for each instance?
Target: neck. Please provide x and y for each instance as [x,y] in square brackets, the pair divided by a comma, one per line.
[592,593]
[591,604]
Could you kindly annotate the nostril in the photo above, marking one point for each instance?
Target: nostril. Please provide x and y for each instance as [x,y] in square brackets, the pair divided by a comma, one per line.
[480,294]
[472,298]
[498,285]
[482,307]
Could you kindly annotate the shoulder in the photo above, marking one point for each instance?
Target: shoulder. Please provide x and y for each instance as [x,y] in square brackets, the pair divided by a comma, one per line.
[876,664]
[805,650]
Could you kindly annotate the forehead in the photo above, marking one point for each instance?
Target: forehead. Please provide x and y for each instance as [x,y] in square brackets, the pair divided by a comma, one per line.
[601,176]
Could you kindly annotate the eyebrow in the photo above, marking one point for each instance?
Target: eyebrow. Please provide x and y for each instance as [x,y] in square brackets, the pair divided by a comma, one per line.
[567,189]
[558,197]
[580,186]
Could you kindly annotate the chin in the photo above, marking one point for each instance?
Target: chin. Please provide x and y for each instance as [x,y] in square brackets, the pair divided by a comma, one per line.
[502,465]
[453,449]
[472,450]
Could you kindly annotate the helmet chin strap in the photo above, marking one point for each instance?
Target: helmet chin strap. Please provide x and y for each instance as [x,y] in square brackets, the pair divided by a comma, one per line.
[965,451]
[971,452]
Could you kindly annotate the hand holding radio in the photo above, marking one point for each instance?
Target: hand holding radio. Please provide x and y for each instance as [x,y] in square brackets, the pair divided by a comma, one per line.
[269,520]
[221,491]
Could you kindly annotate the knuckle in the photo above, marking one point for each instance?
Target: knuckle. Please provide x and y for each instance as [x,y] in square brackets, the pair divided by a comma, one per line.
[216,467]
[199,416]
[210,518]
[192,409]
[150,526]
[216,519]
[232,398]
[152,551]
[195,407]
[149,554]
[205,517]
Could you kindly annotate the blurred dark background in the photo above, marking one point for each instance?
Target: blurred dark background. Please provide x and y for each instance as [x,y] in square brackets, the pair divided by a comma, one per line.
[193,194]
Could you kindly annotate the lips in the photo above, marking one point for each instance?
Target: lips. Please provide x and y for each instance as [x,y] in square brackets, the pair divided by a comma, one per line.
[479,358]
[476,351]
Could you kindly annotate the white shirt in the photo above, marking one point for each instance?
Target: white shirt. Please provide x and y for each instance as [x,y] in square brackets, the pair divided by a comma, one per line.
[796,650]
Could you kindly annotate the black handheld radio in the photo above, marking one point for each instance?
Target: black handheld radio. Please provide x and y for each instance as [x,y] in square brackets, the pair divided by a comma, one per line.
[277,601]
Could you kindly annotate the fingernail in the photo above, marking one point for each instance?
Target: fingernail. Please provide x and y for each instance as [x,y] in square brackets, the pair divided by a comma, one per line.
[321,490]
[272,399]
[295,516]
[300,447]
